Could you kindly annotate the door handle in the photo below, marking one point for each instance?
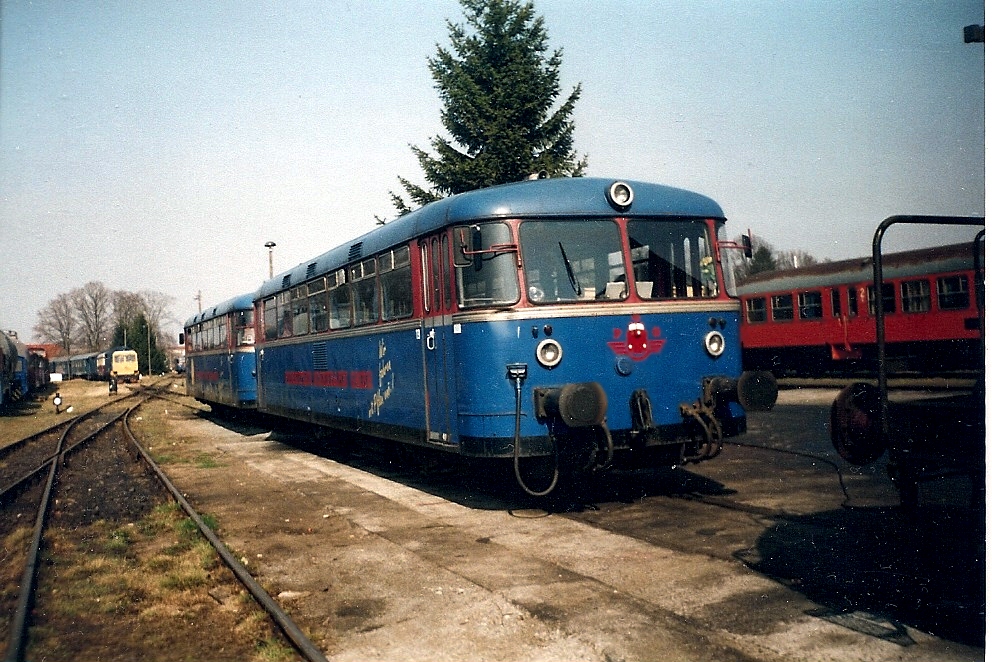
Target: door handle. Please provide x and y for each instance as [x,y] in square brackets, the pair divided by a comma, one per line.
[431,343]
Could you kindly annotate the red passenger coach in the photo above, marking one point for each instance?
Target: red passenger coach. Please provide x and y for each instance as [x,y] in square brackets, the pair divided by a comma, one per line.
[820,318]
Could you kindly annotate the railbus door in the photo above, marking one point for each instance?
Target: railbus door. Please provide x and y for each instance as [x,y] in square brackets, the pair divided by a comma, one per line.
[436,339]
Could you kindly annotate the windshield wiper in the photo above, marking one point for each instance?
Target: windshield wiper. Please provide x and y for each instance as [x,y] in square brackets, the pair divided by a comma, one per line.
[568,270]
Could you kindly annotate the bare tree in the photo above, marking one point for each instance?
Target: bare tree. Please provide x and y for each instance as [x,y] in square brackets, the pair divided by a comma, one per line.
[93,305]
[57,322]
[127,306]
[766,258]
[793,259]
[156,309]
[92,317]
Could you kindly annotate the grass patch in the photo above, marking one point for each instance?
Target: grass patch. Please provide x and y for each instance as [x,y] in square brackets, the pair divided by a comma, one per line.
[204,461]
[272,650]
[150,588]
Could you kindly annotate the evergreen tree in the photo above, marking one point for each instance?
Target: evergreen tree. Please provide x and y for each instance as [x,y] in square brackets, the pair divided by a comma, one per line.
[499,86]
[138,339]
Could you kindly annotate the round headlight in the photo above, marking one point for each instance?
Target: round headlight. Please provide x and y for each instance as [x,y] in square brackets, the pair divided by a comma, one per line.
[549,353]
[620,195]
[714,343]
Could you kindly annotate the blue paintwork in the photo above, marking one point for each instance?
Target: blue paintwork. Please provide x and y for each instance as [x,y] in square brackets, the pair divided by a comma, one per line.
[480,398]
[385,379]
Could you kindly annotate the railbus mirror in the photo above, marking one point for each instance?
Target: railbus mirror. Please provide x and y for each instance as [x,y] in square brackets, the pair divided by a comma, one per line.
[182,338]
[463,252]
[746,243]
[477,248]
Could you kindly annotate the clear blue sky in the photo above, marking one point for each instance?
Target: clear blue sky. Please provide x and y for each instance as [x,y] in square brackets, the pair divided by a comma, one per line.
[158,146]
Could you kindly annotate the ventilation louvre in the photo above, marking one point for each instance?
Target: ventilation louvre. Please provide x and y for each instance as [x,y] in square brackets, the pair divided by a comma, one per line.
[355,252]
[320,356]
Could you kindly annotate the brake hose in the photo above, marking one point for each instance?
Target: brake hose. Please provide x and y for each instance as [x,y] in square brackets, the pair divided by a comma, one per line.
[516,449]
[609,448]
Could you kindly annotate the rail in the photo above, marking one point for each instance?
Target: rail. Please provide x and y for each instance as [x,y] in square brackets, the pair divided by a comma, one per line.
[18,637]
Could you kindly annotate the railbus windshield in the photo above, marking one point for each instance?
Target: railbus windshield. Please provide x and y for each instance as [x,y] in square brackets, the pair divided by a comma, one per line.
[244,327]
[572,261]
[581,261]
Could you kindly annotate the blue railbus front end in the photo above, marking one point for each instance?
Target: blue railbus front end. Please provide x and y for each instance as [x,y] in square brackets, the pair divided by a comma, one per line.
[220,355]
[652,369]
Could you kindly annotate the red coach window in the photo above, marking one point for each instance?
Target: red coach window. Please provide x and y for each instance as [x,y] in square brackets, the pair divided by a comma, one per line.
[952,293]
[915,296]
[782,307]
[756,311]
[810,305]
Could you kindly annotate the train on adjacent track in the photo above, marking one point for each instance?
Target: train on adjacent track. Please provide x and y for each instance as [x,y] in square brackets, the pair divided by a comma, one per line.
[819,320]
[566,324]
[117,363]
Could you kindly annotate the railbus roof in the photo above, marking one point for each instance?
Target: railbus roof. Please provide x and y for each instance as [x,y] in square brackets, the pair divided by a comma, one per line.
[574,197]
[240,302]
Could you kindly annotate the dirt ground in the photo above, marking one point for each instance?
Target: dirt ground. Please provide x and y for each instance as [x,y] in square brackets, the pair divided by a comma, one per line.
[339,581]
[369,579]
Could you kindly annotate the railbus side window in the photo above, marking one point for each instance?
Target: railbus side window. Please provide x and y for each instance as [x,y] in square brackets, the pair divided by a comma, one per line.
[285,312]
[301,311]
[953,293]
[852,301]
[395,279]
[341,299]
[915,296]
[756,310]
[319,313]
[270,319]
[485,266]
[362,276]
[810,306]
[425,276]
[782,307]
[445,273]
[436,273]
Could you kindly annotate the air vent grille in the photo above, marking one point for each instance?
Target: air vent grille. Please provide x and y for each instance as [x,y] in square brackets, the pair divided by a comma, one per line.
[355,252]
[320,356]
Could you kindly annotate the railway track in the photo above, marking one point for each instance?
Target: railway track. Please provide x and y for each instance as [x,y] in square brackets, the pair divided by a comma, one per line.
[87,484]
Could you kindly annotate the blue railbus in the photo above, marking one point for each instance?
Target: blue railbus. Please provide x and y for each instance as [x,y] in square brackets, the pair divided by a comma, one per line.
[566,323]
[220,355]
